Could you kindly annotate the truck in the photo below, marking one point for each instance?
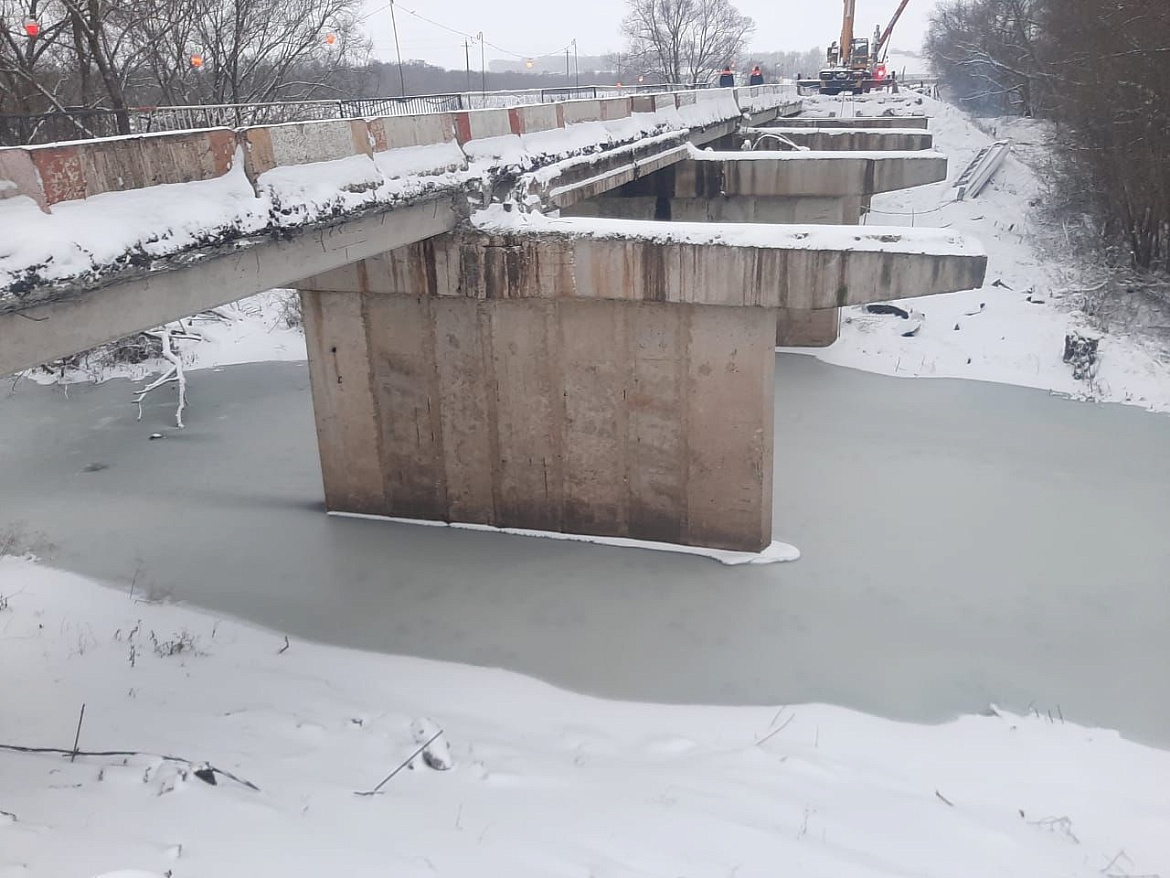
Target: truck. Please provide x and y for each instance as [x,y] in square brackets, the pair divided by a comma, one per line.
[856,64]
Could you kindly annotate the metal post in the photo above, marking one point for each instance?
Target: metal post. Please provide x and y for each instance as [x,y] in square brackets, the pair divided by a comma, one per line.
[398,50]
[482,66]
[576,64]
[467,58]
[567,79]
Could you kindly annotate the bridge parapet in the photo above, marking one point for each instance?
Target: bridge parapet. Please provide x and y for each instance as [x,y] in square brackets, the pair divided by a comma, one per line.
[82,169]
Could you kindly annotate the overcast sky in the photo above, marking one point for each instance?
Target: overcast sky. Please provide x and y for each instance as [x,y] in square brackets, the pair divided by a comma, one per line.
[542,27]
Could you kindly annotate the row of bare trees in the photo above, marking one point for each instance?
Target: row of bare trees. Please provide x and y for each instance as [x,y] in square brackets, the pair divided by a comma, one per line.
[1101,72]
[684,41]
[114,54]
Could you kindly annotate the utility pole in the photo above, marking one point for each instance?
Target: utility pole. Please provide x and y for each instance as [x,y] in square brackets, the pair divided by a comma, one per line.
[397,50]
[567,79]
[576,64]
[467,58]
[482,65]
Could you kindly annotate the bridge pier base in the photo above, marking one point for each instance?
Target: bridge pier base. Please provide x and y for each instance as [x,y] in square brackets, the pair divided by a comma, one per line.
[798,328]
[647,420]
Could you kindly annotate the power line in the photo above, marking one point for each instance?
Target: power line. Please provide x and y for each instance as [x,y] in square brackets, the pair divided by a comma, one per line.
[465,35]
[417,15]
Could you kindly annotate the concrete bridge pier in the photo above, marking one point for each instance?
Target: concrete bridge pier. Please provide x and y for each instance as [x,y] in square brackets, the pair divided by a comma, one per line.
[640,419]
[580,376]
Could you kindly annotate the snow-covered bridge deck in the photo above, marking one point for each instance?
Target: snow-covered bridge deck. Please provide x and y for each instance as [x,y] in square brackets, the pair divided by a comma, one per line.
[78,214]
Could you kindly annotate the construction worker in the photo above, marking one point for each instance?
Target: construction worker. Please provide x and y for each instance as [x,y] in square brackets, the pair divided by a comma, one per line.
[757,77]
[727,77]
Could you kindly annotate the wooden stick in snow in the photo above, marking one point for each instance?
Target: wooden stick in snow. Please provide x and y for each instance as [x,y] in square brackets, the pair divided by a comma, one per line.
[77,737]
[409,759]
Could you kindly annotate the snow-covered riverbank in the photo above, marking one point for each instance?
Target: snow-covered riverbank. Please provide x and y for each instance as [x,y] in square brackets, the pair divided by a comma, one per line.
[1012,331]
[543,782]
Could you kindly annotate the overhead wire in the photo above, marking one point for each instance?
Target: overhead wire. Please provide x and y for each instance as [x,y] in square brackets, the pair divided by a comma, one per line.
[474,37]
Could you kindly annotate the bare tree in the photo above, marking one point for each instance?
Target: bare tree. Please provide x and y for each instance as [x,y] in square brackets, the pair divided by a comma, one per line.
[684,41]
[114,54]
[988,53]
[258,50]
[1100,72]
[1113,109]
[32,70]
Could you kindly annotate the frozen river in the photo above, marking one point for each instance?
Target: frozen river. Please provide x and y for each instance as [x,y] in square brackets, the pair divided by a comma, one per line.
[963,544]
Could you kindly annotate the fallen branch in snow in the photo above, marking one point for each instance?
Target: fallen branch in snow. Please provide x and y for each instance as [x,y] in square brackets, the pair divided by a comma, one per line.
[196,767]
[775,731]
[1072,291]
[1062,825]
[1109,872]
[77,737]
[175,373]
[409,759]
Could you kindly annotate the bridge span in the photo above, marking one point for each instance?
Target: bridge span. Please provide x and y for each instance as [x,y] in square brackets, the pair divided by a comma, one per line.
[559,317]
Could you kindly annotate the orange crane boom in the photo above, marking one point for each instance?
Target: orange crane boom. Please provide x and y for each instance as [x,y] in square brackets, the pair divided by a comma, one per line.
[847,32]
[885,37]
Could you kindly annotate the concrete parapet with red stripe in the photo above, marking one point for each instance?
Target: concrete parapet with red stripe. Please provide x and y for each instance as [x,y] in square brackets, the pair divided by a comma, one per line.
[67,171]
[396,132]
[480,124]
[302,143]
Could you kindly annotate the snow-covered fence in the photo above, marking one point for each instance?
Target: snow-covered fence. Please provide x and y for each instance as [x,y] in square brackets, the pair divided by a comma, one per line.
[441,103]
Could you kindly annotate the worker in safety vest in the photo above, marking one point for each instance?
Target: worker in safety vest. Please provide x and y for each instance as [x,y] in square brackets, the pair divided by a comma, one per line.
[727,77]
[757,77]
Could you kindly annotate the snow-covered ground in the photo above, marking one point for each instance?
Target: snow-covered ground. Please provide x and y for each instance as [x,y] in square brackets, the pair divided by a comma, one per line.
[1011,331]
[543,782]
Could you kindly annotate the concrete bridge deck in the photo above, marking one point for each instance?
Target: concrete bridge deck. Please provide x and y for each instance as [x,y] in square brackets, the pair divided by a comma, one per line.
[219,191]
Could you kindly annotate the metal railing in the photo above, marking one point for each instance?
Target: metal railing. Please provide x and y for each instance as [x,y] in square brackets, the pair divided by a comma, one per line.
[72,124]
[18,129]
